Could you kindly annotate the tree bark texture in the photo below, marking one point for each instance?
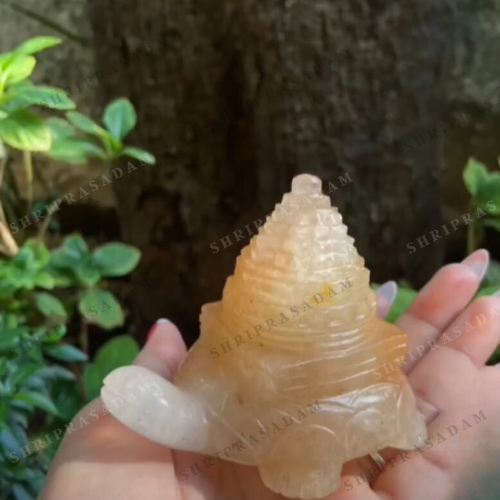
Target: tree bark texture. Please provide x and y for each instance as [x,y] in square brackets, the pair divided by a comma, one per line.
[236,97]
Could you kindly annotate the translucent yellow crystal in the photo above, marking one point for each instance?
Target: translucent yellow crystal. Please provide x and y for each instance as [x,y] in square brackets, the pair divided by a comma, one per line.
[293,371]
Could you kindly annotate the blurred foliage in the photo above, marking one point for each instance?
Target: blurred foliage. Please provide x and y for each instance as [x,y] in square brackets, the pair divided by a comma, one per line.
[42,292]
[78,139]
[49,297]
[75,139]
[484,188]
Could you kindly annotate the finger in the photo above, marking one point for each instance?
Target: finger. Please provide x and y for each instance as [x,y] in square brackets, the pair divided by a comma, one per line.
[164,350]
[476,332]
[439,302]
[386,295]
[449,372]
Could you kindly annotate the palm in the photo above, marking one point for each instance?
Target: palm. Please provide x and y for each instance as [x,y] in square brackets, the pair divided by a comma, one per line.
[106,460]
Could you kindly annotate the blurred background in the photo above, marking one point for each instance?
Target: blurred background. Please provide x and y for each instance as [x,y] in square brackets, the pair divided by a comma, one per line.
[141,146]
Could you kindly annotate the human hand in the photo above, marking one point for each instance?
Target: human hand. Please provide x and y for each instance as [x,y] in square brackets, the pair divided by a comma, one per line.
[105,460]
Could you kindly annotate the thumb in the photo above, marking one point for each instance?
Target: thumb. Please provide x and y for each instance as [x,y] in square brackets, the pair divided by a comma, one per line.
[164,350]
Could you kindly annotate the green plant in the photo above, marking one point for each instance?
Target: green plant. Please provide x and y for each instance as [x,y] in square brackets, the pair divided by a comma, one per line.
[23,129]
[74,265]
[75,139]
[20,127]
[78,139]
[32,324]
[48,298]
[484,188]
[41,292]
[117,352]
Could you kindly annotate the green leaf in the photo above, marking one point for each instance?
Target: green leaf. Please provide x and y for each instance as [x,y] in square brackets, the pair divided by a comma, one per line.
[484,187]
[41,254]
[91,148]
[53,333]
[86,124]
[495,357]
[62,278]
[75,150]
[488,198]
[120,118]
[475,175]
[56,372]
[21,406]
[9,338]
[65,352]
[88,274]
[21,493]
[9,441]
[493,274]
[26,131]
[486,291]
[67,397]
[7,410]
[37,44]
[44,279]
[50,306]
[22,85]
[73,258]
[140,154]
[5,59]
[26,96]
[37,400]
[76,244]
[92,380]
[68,151]
[34,477]
[11,333]
[60,128]
[19,419]
[19,68]
[116,259]
[23,373]
[73,251]
[494,223]
[119,351]
[102,308]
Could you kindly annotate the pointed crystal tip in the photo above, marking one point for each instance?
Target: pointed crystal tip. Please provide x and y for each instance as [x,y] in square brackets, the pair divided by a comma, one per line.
[306,184]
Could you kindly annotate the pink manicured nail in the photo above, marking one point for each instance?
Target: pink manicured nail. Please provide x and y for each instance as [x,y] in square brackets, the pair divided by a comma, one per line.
[155,327]
[478,261]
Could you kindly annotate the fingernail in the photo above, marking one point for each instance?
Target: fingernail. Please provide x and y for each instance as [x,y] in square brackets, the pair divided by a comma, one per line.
[388,291]
[155,327]
[478,261]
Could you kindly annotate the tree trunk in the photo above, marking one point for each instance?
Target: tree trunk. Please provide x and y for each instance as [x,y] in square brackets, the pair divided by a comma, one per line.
[235,98]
